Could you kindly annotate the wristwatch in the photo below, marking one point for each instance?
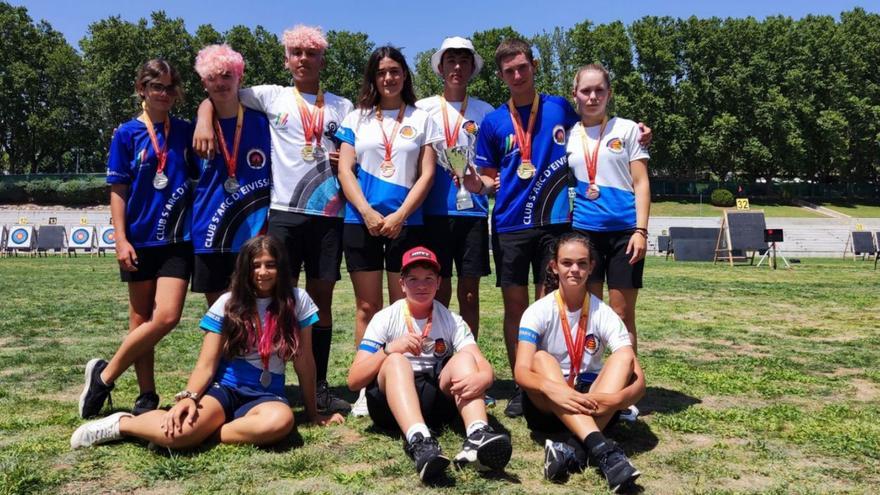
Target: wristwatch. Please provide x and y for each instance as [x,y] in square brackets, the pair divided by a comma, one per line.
[186,394]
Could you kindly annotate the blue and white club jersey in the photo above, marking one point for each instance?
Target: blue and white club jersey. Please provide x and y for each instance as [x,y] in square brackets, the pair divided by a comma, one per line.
[154,217]
[441,198]
[615,208]
[246,370]
[298,186]
[386,194]
[540,325]
[222,222]
[542,199]
[449,334]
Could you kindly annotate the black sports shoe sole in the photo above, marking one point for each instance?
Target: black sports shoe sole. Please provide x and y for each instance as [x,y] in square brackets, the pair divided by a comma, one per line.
[434,468]
[628,483]
[495,454]
[138,410]
[90,368]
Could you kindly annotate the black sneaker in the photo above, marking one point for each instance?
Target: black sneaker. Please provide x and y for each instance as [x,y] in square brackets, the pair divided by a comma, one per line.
[146,402]
[562,459]
[430,461]
[485,450]
[95,391]
[514,406]
[327,402]
[613,463]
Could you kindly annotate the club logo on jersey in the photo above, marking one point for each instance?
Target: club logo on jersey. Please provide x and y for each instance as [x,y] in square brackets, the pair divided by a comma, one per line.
[591,344]
[407,132]
[281,120]
[559,135]
[256,159]
[470,127]
[330,133]
[141,158]
[509,143]
[615,145]
[440,348]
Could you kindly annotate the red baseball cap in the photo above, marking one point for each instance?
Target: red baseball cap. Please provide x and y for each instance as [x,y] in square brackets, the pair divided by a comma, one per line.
[419,254]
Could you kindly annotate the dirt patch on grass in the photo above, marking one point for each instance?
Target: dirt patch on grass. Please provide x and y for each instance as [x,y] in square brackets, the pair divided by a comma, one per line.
[865,391]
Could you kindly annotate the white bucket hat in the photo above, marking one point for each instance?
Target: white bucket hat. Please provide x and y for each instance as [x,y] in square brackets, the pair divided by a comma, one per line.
[456,42]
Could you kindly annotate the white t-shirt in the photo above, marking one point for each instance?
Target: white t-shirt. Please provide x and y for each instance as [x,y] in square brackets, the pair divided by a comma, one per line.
[615,208]
[447,329]
[386,194]
[540,325]
[441,199]
[245,370]
[299,186]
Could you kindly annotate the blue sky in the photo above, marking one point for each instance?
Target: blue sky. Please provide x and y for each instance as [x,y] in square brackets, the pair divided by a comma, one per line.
[415,26]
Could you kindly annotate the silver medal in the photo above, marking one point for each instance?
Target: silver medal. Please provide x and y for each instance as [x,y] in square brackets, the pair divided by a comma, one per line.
[160,180]
[427,346]
[319,153]
[231,185]
[265,378]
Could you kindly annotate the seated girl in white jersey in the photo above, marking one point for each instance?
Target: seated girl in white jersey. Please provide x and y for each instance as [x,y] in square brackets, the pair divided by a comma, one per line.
[236,390]
[419,363]
[559,366]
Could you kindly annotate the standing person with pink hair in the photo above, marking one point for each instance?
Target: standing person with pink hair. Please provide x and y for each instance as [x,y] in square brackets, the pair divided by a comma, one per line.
[306,207]
[231,199]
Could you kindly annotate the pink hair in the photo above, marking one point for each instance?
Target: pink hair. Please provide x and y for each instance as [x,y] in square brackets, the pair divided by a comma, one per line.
[303,36]
[217,59]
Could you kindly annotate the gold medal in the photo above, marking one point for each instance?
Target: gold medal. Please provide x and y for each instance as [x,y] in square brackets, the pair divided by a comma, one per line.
[387,168]
[525,171]
[308,153]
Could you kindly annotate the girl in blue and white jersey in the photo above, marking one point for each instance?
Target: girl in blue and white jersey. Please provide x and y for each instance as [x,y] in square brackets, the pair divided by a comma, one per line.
[150,199]
[386,168]
[236,389]
[612,195]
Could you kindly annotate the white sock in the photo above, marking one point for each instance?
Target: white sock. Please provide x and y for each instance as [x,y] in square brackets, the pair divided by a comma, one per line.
[363,394]
[476,425]
[417,428]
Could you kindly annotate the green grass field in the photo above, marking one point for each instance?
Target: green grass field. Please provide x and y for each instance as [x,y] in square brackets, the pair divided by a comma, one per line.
[759,381]
[695,209]
[855,211]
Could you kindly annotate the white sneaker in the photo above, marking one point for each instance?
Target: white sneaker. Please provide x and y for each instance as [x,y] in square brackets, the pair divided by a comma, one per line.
[359,408]
[97,432]
[630,414]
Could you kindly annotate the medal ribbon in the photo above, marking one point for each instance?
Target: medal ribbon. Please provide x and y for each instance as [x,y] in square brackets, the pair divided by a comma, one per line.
[266,336]
[592,162]
[524,141]
[452,134]
[576,349]
[161,154]
[313,123]
[410,322]
[232,159]
[388,142]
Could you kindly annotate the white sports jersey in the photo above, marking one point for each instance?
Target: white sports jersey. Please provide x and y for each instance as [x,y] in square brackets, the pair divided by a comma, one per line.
[448,331]
[441,199]
[297,185]
[386,194]
[540,325]
[615,208]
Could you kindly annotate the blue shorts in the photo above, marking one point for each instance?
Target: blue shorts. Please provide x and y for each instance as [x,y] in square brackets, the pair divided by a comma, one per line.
[238,401]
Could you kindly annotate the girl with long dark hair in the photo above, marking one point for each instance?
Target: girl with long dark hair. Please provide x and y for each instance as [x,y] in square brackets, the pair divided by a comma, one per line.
[386,167]
[237,387]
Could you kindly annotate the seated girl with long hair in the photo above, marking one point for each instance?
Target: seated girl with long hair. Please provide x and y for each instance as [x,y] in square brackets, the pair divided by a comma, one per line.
[236,390]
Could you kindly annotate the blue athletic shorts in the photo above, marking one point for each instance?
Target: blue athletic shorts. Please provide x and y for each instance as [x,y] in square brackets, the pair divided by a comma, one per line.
[237,401]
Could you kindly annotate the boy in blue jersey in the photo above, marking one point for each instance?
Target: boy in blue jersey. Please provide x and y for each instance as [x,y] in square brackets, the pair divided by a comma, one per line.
[522,151]
[231,199]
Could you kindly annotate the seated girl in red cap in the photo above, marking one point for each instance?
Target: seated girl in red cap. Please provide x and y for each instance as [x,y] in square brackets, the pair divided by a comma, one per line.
[420,365]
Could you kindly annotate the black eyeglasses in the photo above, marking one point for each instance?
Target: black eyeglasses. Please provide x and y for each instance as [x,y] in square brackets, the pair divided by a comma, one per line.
[159,88]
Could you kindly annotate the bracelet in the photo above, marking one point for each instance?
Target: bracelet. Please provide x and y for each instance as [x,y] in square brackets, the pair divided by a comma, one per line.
[642,231]
[186,394]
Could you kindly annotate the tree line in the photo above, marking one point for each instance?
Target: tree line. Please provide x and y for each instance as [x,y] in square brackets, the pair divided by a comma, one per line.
[727,98]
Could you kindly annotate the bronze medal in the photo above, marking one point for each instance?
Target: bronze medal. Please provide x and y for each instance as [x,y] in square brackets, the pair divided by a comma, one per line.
[593,192]
[387,168]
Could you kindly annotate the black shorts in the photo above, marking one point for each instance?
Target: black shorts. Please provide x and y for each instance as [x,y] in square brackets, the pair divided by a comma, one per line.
[611,263]
[437,409]
[538,420]
[367,253]
[212,272]
[516,252]
[310,240]
[172,260]
[461,240]
[238,401]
